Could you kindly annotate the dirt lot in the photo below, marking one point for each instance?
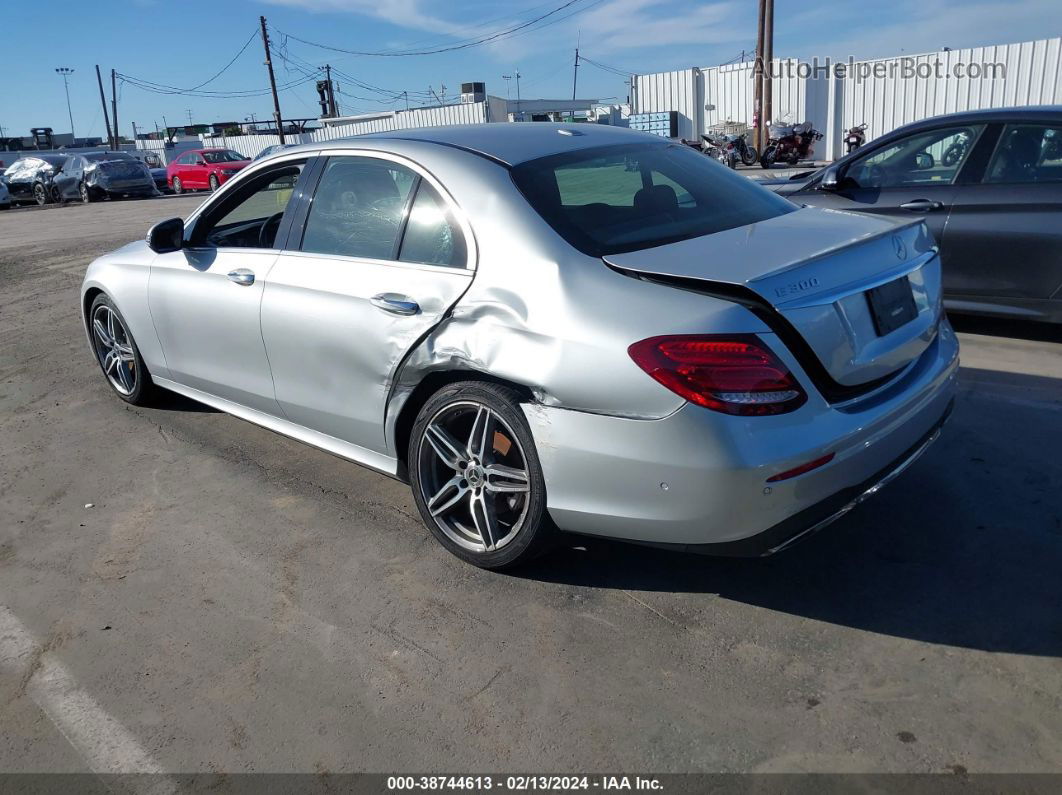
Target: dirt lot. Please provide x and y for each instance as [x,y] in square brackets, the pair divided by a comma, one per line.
[236,601]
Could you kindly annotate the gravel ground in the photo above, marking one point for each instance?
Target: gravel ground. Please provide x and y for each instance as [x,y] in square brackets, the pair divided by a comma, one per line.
[236,601]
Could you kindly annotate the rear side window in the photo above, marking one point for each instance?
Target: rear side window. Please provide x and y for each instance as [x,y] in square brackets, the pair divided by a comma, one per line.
[431,235]
[1027,153]
[611,199]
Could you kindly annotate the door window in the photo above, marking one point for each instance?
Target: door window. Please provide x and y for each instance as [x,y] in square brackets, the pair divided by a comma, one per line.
[933,157]
[431,236]
[250,217]
[1027,153]
[358,208]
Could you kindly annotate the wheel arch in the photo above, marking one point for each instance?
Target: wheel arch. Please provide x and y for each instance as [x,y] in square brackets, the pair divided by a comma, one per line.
[422,392]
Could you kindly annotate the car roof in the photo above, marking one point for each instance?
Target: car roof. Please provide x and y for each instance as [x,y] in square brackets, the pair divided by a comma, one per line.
[1020,113]
[511,143]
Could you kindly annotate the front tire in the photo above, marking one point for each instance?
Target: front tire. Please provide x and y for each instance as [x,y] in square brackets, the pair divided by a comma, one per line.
[40,194]
[749,156]
[214,182]
[117,353]
[476,476]
[86,194]
[178,188]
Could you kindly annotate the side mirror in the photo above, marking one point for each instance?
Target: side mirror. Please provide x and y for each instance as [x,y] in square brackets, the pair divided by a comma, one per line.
[831,179]
[166,236]
[924,161]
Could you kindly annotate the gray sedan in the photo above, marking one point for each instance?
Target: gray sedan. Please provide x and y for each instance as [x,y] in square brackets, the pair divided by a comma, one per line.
[989,185]
[546,328]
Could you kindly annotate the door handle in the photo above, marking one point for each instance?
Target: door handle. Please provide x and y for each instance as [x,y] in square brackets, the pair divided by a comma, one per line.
[242,277]
[395,304]
[921,205]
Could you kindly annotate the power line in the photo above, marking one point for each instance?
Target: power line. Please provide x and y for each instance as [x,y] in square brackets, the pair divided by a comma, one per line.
[458,46]
[164,88]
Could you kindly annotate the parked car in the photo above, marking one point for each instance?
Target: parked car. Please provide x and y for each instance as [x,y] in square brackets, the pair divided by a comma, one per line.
[546,326]
[155,165]
[29,179]
[91,176]
[272,149]
[5,195]
[200,169]
[988,184]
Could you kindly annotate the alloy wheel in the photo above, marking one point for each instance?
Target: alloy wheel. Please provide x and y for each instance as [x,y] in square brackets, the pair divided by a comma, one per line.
[177,186]
[213,182]
[85,197]
[474,476]
[40,195]
[114,349]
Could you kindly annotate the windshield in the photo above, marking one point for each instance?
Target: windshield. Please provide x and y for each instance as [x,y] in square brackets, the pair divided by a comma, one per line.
[101,157]
[612,199]
[223,156]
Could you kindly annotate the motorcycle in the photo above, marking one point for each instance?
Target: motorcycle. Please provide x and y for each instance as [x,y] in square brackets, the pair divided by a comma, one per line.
[855,137]
[955,153]
[733,148]
[789,144]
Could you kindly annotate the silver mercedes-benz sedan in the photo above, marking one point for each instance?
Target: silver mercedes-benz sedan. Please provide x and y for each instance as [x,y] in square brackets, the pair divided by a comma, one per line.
[546,328]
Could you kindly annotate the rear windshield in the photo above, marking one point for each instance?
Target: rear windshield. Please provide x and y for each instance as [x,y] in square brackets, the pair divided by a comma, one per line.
[612,199]
[103,157]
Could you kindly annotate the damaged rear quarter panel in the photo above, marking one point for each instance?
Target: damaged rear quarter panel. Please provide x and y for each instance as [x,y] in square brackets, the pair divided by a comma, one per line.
[542,315]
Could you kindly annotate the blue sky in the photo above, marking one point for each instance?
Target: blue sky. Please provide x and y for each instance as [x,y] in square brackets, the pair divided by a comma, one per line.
[184,43]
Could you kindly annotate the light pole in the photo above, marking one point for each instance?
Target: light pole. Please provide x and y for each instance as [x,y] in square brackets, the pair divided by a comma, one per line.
[66,72]
[517,75]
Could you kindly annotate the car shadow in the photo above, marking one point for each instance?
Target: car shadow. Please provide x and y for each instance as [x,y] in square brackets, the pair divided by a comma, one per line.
[963,549]
[1004,327]
[171,401]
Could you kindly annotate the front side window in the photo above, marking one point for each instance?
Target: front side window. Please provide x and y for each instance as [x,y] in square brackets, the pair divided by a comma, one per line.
[251,216]
[358,208]
[612,199]
[933,157]
[1027,153]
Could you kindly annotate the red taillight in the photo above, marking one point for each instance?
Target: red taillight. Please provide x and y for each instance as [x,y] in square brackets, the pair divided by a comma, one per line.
[734,374]
[800,470]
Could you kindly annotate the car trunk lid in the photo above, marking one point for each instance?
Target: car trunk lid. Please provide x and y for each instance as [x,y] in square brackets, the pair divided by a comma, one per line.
[862,293]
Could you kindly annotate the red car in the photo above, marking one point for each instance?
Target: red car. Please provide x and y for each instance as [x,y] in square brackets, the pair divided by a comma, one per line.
[203,168]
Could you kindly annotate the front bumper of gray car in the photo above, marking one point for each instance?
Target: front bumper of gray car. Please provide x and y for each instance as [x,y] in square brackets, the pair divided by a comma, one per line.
[699,480]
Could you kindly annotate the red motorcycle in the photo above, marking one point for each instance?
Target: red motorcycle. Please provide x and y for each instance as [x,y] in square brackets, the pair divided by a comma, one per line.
[789,143]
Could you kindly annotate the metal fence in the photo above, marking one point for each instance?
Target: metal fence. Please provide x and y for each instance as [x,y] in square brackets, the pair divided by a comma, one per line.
[885,93]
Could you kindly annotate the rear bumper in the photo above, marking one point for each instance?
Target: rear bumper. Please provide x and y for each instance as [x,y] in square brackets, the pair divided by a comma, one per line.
[813,519]
[698,479]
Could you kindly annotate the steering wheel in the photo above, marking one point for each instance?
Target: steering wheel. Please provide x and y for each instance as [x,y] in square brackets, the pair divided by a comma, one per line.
[267,234]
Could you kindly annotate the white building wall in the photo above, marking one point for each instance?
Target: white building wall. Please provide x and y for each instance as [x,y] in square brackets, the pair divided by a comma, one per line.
[1033,76]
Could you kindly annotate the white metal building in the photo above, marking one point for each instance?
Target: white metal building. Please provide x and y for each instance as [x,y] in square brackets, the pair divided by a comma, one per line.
[873,91]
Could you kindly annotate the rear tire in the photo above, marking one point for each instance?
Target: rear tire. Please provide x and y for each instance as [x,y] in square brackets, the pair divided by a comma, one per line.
[40,194]
[86,194]
[749,156]
[178,188]
[476,477]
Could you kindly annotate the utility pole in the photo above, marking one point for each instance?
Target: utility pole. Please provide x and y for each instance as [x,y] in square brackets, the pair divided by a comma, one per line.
[114,110]
[768,57]
[66,72]
[331,92]
[757,80]
[188,113]
[406,93]
[166,125]
[272,81]
[134,132]
[575,78]
[515,74]
[103,102]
